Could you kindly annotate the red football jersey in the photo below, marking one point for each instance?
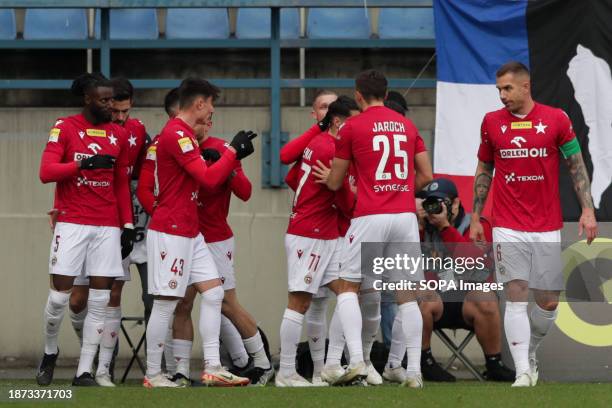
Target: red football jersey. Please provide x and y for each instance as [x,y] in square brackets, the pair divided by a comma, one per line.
[145,190]
[525,153]
[314,214]
[86,197]
[345,202]
[213,206]
[177,192]
[381,144]
[136,141]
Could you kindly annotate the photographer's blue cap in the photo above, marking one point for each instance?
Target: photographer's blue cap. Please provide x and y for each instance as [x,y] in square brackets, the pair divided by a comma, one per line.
[440,188]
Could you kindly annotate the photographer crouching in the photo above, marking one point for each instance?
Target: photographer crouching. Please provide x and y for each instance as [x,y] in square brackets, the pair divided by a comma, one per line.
[445,232]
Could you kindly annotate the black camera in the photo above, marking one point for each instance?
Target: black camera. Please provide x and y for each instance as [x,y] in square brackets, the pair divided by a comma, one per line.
[433,205]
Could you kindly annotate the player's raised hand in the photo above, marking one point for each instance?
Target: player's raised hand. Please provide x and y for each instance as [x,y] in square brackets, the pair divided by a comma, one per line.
[98,161]
[476,230]
[243,144]
[587,223]
[321,172]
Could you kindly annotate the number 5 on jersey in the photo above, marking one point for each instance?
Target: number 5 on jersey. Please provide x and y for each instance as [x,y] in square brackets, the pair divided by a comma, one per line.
[381,142]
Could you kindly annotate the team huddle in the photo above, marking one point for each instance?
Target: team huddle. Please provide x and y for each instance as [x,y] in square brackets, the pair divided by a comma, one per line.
[162,204]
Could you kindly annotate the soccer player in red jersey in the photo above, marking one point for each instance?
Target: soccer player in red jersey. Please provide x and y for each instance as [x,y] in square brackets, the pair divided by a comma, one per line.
[177,349]
[290,153]
[313,253]
[177,253]
[137,139]
[391,163]
[86,155]
[213,209]
[524,142]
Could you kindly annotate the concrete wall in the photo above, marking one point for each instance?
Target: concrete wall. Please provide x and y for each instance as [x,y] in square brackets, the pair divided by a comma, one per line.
[259,226]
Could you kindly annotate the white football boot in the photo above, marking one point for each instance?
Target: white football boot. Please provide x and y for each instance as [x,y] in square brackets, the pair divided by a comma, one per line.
[293,380]
[373,377]
[523,380]
[158,381]
[104,380]
[415,381]
[395,375]
[331,374]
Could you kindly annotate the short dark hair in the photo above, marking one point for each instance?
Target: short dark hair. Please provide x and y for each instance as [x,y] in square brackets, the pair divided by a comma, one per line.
[122,89]
[88,81]
[322,92]
[512,67]
[397,102]
[371,84]
[342,107]
[171,100]
[191,88]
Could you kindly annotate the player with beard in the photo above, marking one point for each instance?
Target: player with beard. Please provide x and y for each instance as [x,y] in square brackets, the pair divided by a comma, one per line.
[524,142]
[86,155]
[177,254]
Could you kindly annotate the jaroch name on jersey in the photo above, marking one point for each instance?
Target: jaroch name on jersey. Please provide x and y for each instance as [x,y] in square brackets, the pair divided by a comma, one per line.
[390,187]
[389,127]
[522,153]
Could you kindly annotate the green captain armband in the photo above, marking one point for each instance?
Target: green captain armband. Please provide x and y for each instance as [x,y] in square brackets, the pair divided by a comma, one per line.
[570,148]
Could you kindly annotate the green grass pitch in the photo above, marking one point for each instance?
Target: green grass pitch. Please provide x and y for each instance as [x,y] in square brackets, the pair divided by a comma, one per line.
[468,393]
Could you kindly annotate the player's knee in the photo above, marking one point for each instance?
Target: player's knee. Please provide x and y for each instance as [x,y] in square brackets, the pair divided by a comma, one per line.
[77,303]
[431,308]
[549,304]
[115,295]
[183,308]
[299,302]
[230,306]
[213,296]
[486,309]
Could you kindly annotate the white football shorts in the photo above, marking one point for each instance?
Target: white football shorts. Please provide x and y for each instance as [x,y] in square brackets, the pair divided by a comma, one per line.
[534,257]
[389,234]
[88,249]
[223,255]
[175,262]
[311,263]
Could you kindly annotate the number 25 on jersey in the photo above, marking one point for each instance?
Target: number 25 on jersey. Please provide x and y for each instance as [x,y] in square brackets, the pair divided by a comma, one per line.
[381,142]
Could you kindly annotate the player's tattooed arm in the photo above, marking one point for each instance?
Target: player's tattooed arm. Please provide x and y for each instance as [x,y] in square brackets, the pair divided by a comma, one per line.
[580,179]
[582,185]
[482,185]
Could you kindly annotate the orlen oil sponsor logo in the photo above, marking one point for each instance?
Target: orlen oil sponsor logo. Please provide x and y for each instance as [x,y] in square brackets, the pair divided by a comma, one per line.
[523,152]
[81,156]
[512,177]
